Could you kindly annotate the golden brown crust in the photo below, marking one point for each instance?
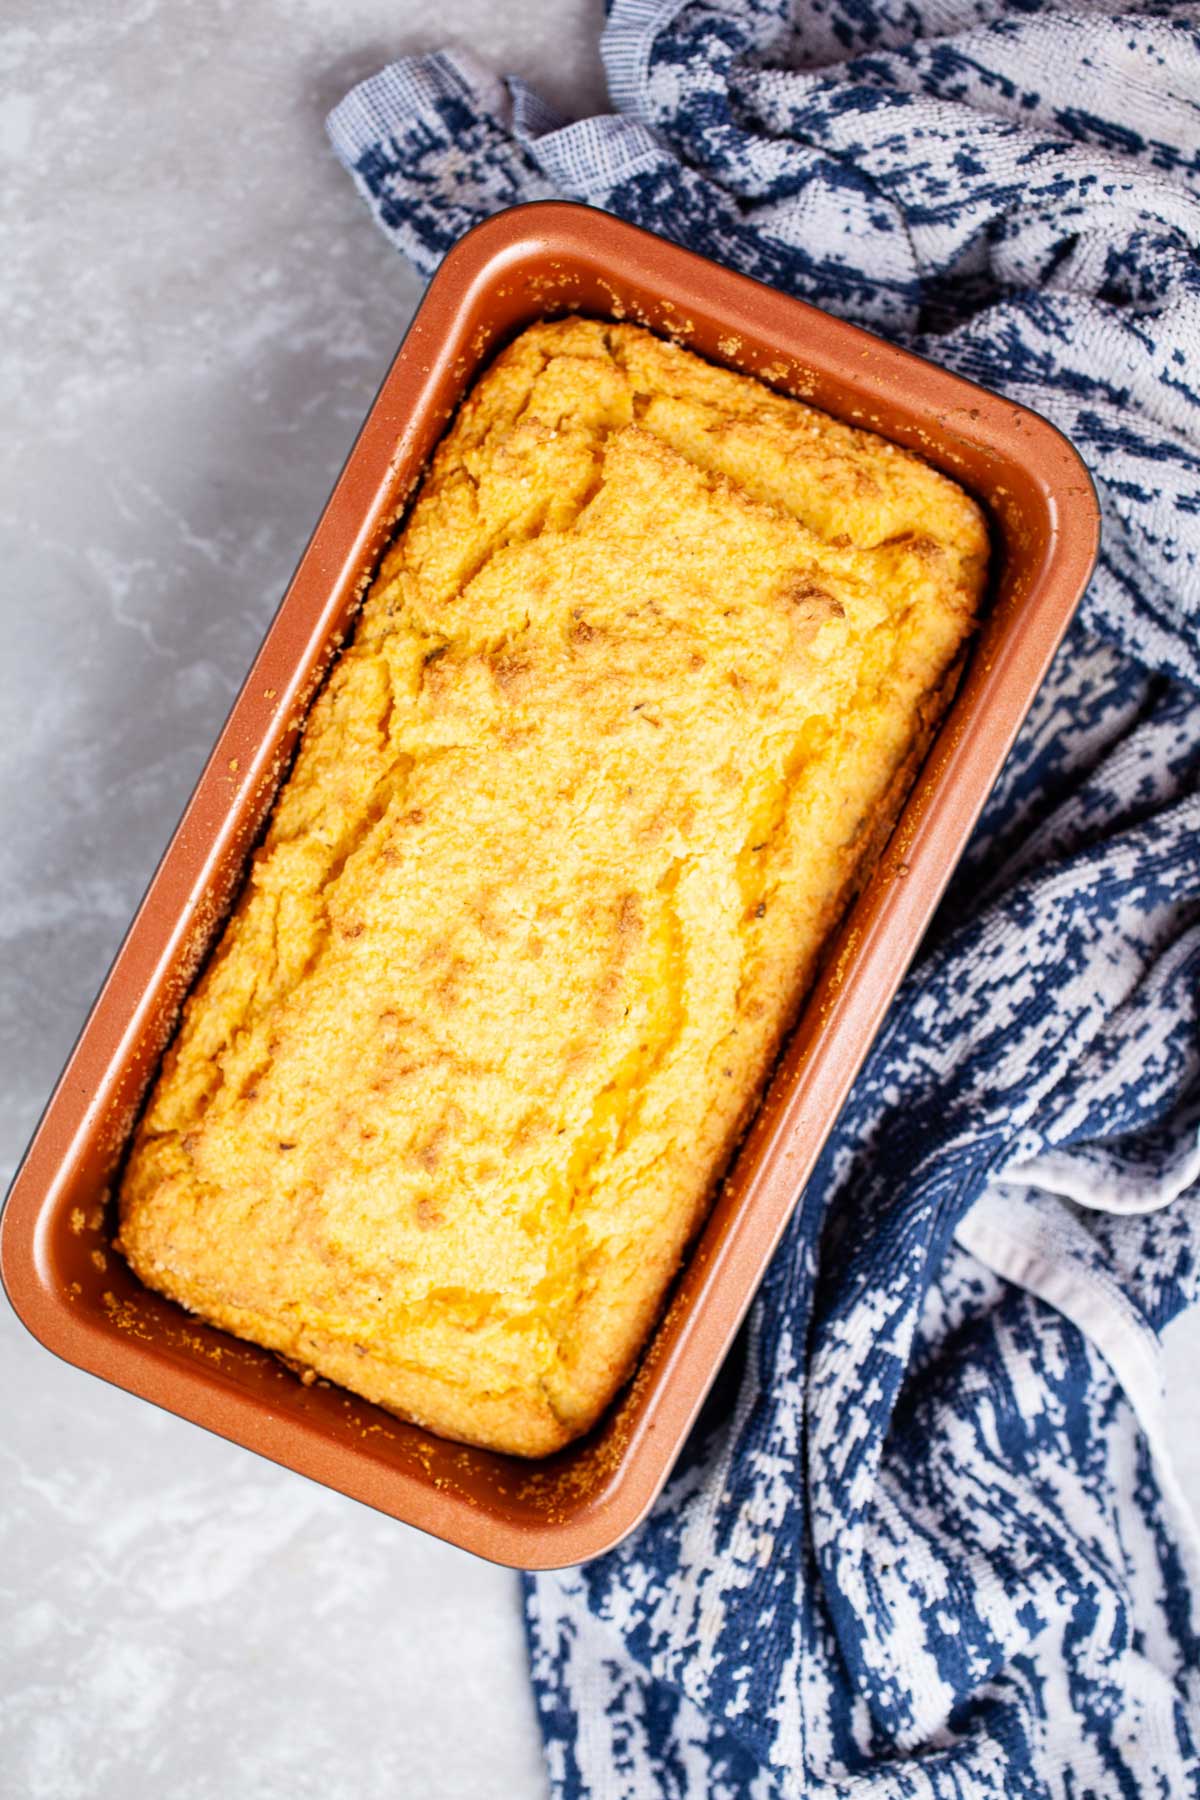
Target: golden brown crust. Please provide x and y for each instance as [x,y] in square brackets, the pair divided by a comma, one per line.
[633,698]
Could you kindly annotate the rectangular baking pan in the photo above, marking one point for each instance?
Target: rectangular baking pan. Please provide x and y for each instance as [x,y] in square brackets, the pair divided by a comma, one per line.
[64,1280]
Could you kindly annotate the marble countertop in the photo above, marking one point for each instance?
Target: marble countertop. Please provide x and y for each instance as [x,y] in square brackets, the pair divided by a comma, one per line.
[200,311]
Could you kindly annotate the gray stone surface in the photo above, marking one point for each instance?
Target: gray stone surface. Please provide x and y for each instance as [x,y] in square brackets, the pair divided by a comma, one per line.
[198,312]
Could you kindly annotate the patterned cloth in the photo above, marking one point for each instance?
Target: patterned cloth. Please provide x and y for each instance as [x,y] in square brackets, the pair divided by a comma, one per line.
[925,1541]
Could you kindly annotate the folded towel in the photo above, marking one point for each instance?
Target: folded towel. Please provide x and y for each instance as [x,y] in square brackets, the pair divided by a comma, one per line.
[925,1540]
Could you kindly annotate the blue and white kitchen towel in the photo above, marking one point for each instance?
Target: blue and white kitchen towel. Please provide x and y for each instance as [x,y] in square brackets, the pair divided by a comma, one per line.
[927,1542]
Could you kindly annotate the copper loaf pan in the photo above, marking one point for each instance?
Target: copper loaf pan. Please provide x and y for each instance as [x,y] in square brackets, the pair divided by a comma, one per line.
[79,1298]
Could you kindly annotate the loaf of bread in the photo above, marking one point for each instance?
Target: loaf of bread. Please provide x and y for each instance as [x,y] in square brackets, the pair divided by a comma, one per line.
[631,704]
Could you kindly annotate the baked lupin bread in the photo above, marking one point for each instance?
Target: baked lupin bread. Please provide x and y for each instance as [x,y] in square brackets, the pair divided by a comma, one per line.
[631,706]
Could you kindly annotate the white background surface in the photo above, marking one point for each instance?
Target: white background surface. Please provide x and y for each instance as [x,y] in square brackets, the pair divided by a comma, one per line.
[199,312]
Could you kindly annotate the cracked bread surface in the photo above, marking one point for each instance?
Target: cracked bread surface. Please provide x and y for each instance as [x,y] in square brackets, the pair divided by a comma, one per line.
[632,701]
